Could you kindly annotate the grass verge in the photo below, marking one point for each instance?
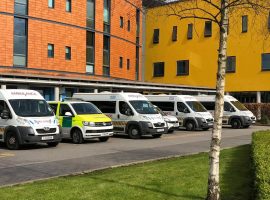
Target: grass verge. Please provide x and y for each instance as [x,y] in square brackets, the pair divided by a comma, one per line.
[179,178]
[261,160]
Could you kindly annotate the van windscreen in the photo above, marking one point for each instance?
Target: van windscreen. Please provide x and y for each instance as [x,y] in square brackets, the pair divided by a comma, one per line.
[239,105]
[196,106]
[31,107]
[143,107]
[85,108]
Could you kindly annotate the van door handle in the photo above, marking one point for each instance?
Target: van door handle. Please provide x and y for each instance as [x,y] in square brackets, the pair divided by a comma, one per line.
[176,113]
[118,116]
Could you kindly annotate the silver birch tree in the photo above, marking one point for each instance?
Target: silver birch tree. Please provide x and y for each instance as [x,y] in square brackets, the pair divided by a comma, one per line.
[217,11]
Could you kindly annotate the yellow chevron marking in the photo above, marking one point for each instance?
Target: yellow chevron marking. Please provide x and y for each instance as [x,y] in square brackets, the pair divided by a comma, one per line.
[3,155]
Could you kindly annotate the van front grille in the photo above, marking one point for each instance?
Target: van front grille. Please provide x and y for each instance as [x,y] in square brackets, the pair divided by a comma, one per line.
[159,124]
[43,131]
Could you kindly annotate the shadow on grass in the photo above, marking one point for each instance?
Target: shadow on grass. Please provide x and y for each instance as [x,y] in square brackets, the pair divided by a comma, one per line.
[140,187]
[236,174]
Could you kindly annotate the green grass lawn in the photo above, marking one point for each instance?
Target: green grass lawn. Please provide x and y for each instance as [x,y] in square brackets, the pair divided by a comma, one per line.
[178,178]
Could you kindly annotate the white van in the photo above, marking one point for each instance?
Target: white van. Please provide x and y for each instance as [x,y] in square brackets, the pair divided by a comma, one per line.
[131,113]
[235,113]
[25,118]
[190,113]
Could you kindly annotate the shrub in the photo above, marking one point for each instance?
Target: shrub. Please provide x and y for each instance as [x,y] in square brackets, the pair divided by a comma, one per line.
[261,162]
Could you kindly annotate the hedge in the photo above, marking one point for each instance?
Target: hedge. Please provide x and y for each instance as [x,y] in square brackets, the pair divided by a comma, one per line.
[264,110]
[261,162]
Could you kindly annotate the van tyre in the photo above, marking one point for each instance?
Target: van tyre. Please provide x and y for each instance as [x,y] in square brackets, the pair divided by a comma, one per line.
[103,139]
[236,123]
[190,126]
[52,144]
[76,136]
[205,129]
[134,132]
[12,141]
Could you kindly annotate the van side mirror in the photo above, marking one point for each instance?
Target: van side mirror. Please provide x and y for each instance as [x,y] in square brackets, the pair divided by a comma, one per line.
[232,109]
[5,114]
[128,112]
[186,110]
[68,114]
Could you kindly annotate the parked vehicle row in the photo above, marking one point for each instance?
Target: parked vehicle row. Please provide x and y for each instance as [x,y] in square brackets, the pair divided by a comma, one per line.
[26,118]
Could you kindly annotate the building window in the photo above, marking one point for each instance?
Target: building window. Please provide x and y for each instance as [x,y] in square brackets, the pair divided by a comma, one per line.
[128,25]
[121,22]
[174,33]
[158,69]
[20,7]
[128,64]
[121,62]
[90,52]
[68,5]
[208,29]
[156,36]
[20,42]
[106,16]
[68,53]
[190,31]
[50,51]
[265,61]
[244,24]
[51,3]
[106,55]
[90,21]
[269,20]
[182,67]
[231,63]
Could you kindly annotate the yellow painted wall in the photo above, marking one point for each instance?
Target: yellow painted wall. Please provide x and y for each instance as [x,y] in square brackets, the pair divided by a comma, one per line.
[202,51]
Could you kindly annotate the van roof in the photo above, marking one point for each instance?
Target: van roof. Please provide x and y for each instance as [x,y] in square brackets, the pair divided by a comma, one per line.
[110,96]
[164,97]
[19,94]
[212,98]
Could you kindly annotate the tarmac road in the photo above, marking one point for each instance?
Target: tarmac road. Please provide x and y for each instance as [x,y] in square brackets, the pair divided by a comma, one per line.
[40,162]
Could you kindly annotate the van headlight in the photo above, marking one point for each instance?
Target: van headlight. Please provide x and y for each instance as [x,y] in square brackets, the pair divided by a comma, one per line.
[89,123]
[247,117]
[203,120]
[23,122]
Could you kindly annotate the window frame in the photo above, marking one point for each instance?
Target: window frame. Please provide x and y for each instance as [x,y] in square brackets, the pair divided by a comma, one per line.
[53,4]
[121,62]
[244,23]
[156,36]
[68,54]
[190,31]
[52,51]
[233,70]
[155,65]
[178,73]
[262,63]
[208,28]
[69,8]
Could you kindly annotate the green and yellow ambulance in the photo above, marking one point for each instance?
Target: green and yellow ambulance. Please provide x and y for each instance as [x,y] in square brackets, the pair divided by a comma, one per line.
[81,120]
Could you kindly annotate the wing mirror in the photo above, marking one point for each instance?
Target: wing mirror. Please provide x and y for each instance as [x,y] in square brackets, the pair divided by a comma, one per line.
[5,114]
[68,114]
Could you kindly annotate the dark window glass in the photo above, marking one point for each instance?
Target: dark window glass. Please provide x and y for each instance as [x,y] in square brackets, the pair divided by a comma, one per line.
[266,61]
[228,107]
[85,108]
[128,64]
[90,13]
[128,26]
[231,63]
[63,109]
[50,50]
[182,67]
[190,31]
[164,106]
[174,33]
[51,3]
[106,55]
[124,107]
[121,22]
[20,42]
[106,16]
[90,52]
[138,22]
[106,71]
[20,7]
[53,107]
[121,62]
[244,24]
[208,105]
[269,20]
[156,36]
[68,5]
[68,53]
[158,69]
[208,29]
[105,106]
[3,106]
[137,65]
[181,107]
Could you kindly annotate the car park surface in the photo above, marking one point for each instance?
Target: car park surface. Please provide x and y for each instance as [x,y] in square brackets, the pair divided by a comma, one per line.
[39,161]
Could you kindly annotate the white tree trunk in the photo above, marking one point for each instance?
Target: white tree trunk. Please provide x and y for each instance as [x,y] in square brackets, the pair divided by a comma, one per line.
[213,192]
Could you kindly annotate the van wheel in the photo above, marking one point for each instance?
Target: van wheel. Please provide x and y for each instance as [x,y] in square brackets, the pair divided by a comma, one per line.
[134,132]
[76,136]
[52,144]
[103,139]
[12,141]
[190,126]
[236,123]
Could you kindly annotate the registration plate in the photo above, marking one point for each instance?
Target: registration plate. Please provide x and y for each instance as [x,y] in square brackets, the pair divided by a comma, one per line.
[47,138]
[104,134]
[160,130]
